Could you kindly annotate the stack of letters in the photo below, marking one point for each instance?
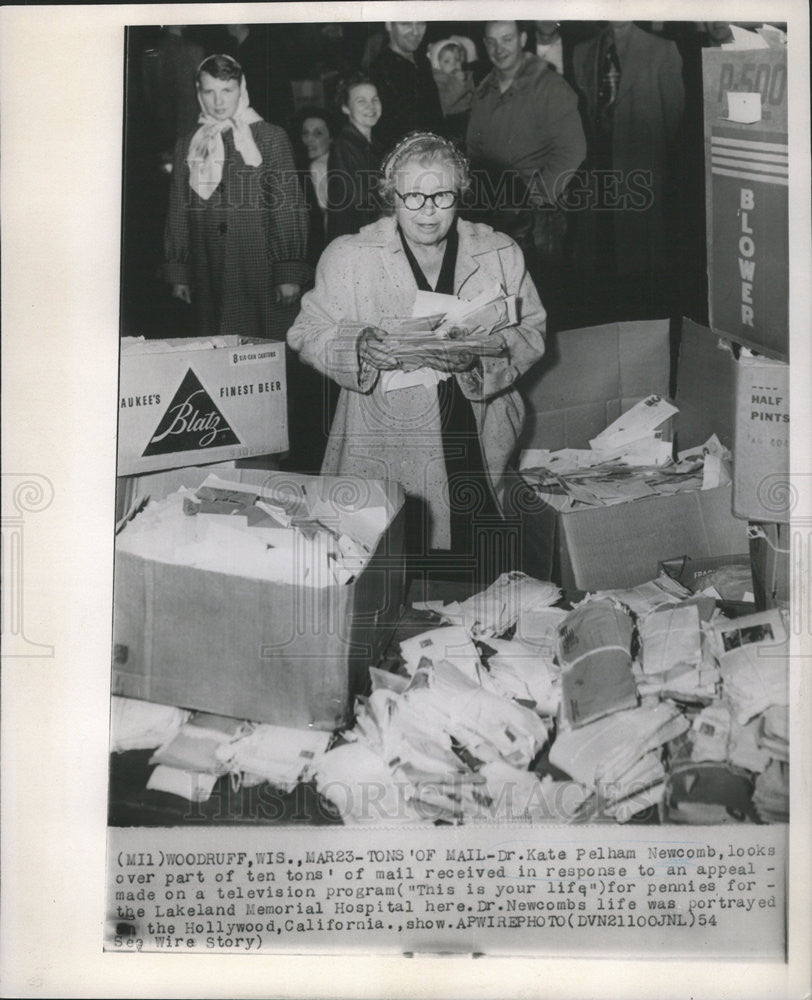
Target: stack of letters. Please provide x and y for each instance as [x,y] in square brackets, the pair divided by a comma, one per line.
[629,460]
[280,535]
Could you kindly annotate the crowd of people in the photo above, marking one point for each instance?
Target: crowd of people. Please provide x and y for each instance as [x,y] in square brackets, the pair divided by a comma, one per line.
[274,214]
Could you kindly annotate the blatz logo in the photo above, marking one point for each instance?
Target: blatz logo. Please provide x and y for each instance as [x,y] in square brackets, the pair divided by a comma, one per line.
[192,421]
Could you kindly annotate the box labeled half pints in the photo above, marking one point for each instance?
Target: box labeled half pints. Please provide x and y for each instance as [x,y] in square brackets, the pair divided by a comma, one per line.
[761,487]
[192,401]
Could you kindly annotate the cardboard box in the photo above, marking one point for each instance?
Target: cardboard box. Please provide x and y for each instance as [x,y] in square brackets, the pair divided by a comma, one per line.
[622,545]
[184,402]
[691,573]
[761,487]
[769,562]
[588,377]
[603,548]
[745,402]
[746,188]
[269,652]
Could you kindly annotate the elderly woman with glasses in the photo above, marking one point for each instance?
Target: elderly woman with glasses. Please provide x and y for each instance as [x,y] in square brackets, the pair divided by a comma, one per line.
[448,440]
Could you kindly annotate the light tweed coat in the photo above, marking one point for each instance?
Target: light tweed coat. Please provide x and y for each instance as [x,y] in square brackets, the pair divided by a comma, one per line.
[360,281]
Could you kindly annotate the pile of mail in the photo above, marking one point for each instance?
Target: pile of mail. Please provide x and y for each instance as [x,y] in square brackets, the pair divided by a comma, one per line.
[510,709]
[620,756]
[497,608]
[453,737]
[142,725]
[432,740]
[749,726]
[269,533]
[209,746]
[629,460]
[742,733]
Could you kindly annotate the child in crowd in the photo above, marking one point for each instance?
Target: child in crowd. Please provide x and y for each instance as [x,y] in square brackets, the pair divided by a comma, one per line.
[455,81]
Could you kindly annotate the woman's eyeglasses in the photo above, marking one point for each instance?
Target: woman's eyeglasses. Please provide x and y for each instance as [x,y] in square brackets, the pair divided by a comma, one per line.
[415,200]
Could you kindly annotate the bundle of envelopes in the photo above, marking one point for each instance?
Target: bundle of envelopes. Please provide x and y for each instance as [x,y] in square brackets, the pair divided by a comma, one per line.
[188,765]
[676,658]
[446,326]
[494,610]
[281,535]
[142,725]
[753,656]
[594,651]
[619,756]
[771,794]
[464,326]
[629,460]
[209,746]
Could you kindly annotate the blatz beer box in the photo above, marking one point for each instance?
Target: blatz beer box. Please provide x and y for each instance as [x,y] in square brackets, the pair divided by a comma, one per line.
[193,401]
[746,185]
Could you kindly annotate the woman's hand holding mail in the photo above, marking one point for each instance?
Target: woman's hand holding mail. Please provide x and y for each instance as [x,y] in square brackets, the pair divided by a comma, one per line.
[450,353]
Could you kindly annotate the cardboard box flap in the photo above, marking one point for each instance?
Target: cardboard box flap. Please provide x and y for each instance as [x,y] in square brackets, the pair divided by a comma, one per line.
[588,377]
[138,345]
[597,363]
[605,552]
[705,387]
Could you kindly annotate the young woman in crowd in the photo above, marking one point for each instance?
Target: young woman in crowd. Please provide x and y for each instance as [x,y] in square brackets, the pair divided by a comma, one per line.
[354,163]
[236,232]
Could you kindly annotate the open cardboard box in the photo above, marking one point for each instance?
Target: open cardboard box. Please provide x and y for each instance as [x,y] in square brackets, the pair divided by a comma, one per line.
[253,649]
[622,545]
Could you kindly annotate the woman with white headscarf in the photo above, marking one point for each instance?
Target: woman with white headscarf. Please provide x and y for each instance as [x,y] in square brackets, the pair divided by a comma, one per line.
[236,233]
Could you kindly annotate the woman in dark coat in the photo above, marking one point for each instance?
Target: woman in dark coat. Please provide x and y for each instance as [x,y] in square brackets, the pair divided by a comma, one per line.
[236,232]
[353,170]
[313,133]
[311,396]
